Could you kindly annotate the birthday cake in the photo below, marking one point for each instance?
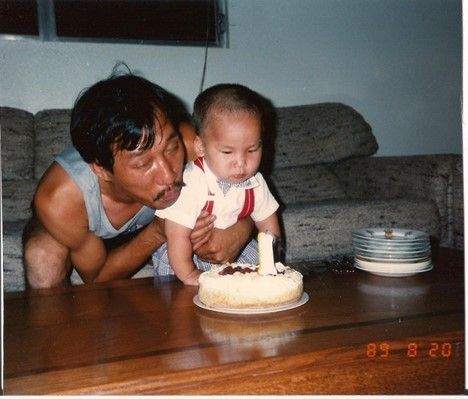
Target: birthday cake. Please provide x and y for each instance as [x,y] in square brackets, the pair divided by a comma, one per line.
[241,286]
[237,285]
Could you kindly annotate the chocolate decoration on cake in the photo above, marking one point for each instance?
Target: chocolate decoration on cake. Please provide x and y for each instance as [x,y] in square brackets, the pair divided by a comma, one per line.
[232,270]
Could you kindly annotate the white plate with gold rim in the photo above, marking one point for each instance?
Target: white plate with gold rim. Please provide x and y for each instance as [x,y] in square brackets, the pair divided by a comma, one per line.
[246,311]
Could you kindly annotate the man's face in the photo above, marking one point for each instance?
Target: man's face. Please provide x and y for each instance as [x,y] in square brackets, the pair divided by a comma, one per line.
[151,177]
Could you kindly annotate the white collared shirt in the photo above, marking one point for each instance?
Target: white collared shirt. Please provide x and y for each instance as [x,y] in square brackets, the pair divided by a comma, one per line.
[201,186]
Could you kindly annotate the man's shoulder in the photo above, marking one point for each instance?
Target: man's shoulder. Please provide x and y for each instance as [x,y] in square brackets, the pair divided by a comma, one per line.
[60,207]
[58,191]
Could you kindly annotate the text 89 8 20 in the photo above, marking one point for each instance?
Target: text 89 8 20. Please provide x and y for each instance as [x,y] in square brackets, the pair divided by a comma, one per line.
[432,350]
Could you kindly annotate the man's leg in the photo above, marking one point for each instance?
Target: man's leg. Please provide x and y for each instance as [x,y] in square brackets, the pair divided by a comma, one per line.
[46,261]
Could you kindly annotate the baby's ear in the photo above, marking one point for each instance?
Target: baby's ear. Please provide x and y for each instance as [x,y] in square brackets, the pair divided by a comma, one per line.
[199,146]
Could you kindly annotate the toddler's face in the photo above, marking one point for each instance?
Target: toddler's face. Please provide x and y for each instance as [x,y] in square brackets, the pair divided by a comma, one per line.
[232,145]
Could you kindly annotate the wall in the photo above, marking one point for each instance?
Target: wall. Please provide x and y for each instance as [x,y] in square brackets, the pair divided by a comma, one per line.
[398,62]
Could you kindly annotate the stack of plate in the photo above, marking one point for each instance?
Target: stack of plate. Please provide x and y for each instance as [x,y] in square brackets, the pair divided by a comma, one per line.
[392,252]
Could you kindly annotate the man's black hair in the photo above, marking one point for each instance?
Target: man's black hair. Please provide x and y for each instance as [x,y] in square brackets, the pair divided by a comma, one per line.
[122,112]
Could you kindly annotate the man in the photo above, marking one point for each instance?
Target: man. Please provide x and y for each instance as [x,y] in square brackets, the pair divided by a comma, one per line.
[94,207]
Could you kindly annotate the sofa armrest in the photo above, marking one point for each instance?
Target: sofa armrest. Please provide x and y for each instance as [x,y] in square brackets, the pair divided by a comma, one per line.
[420,176]
[458,213]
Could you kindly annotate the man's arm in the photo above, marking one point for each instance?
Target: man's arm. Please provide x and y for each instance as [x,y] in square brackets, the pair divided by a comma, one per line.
[60,208]
[61,213]
[126,259]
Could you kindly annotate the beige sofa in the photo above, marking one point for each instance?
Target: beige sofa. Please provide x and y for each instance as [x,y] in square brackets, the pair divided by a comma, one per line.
[320,164]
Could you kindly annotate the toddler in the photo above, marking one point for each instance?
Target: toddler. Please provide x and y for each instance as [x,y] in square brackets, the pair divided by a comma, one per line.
[223,180]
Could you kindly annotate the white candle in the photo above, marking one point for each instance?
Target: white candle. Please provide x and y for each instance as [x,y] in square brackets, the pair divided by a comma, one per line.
[265,254]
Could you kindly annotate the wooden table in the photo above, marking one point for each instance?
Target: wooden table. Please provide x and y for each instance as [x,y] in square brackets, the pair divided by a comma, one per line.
[358,333]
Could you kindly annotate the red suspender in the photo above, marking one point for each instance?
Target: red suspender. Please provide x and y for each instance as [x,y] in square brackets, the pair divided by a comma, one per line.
[209,203]
[199,163]
[248,202]
[209,206]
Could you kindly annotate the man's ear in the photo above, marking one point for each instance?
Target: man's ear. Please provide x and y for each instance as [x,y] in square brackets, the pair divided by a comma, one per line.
[199,146]
[101,172]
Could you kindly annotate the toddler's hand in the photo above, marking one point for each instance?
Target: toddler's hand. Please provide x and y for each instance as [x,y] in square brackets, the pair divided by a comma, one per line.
[192,278]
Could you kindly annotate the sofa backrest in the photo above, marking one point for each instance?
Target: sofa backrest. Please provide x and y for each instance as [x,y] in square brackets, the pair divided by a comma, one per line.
[320,133]
[52,128]
[305,139]
[30,142]
[303,135]
[17,144]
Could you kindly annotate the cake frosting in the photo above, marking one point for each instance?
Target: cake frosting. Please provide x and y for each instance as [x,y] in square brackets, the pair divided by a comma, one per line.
[236,285]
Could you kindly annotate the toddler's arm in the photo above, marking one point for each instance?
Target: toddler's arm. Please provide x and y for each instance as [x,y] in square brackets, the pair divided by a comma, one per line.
[179,251]
[270,225]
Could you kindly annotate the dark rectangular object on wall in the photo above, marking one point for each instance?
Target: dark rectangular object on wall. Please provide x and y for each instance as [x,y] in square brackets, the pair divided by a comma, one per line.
[138,20]
[18,17]
[173,22]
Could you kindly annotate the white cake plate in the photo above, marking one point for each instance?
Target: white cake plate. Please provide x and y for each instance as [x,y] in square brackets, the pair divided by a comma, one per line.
[288,306]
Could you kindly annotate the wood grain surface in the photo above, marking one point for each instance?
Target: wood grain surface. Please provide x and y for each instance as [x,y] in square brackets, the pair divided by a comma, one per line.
[357,334]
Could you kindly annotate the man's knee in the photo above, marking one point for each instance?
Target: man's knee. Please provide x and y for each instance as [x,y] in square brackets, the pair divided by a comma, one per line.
[46,261]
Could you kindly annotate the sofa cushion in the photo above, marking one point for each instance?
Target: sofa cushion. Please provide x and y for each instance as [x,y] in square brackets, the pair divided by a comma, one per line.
[17,138]
[52,128]
[320,133]
[306,183]
[324,230]
[16,199]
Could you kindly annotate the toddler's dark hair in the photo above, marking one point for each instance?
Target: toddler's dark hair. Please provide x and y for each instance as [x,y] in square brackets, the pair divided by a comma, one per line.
[231,97]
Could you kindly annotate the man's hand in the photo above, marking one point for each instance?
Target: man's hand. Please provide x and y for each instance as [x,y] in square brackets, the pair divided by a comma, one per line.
[202,230]
[157,230]
[225,245]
